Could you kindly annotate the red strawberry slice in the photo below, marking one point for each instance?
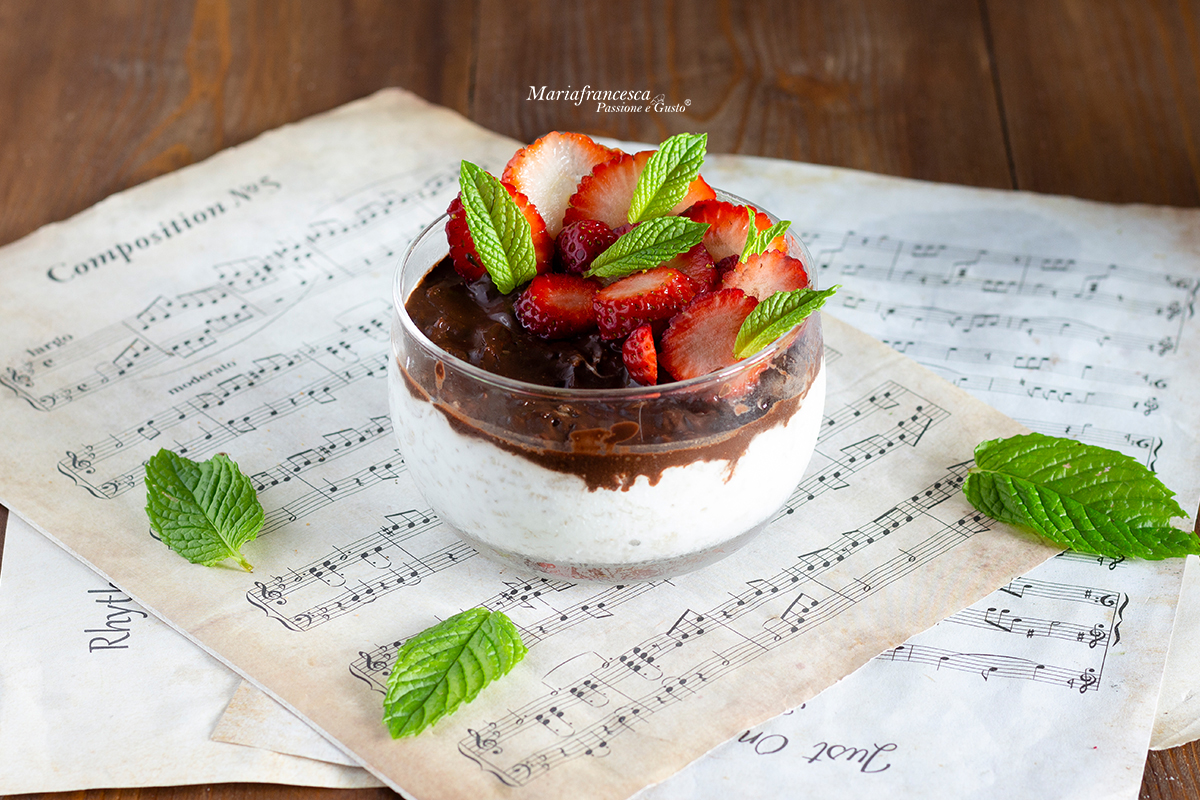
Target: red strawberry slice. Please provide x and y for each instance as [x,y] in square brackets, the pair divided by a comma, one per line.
[766,273]
[726,234]
[553,306]
[726,265]
[698,190]
[700,338]
[605,194]
[580,242]
[543,242]
[697,264]
[642,297]
[548,172]
[462,246]
[641,360]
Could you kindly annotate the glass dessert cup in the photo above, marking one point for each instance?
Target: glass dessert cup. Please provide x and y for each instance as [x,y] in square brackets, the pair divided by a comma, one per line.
[602,484]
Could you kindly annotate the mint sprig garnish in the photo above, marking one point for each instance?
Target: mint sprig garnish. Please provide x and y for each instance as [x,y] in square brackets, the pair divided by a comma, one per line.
[665,180]
[499,229]
[777,315]
[447,665]
[1078,496]
[204,511]
[758,241]
[648,245]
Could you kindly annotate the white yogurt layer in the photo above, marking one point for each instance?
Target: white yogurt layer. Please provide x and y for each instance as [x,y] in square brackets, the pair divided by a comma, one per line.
[515,505]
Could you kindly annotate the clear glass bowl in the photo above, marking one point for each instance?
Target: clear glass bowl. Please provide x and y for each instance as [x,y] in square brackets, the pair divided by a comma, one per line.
[594,484]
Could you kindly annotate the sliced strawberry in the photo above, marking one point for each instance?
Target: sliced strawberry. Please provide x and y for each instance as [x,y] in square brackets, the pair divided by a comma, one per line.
[548,172]
[641,360]
[726,234]
[579,243]
[543,242]
[553,306]
[764,274]
[726,265]
[605,194]
[698,190]
[462,246]
[700,338]
[697,264]
[642,297]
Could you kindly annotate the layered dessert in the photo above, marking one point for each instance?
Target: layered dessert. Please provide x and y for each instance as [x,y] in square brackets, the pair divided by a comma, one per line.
[603,369]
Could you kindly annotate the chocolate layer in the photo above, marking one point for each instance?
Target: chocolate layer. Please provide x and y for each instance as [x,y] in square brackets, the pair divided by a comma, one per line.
[607,441]
[475,323]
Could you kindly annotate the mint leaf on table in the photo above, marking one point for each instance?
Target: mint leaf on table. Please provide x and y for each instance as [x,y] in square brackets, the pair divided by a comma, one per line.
[204,511]
[1078,496]
[665,179]
[777,315]
[447,665]
[498,227]
[757,241]
[648,245]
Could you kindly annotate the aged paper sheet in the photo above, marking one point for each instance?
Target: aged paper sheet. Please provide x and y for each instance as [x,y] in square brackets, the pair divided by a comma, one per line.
[1178,718]
[969,681]
[253,719]
[242,305]
[95,693]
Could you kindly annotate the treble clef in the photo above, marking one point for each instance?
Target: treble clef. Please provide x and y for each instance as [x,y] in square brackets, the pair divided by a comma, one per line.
[371,663]
[488,742]
[1087,680]
[81,462]
[270,594]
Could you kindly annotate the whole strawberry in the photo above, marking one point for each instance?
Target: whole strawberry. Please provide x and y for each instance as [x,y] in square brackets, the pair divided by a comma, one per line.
[580,242]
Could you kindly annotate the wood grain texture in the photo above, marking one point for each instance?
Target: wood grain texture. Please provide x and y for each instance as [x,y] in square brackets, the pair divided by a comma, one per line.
[889,86]
[1102,99]
[218,791]
[100,96]
[1172,774]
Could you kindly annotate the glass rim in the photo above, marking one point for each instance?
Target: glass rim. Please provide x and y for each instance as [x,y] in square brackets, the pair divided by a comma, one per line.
[623,393]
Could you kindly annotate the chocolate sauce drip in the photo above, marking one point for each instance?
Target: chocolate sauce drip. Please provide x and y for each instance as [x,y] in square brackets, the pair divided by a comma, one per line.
[606,442]
[475,323]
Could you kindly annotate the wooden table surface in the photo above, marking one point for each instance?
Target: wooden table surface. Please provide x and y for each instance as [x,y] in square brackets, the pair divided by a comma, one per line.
[1093,98]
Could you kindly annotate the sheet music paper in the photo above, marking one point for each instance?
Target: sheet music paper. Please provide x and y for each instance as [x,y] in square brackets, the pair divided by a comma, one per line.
[1076,319]
[242,305]
[95,693]
[927,248]
[1178,718]
[253,719]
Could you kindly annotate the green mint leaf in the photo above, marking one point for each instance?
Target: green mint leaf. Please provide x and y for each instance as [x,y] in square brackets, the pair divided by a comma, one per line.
[668,173]
[757,241]
[499,229]
[648,245]
[1079,496]
[777,315]
[205,511]
[447,665]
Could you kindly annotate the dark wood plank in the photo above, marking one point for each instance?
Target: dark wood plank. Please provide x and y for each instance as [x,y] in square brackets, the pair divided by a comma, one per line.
[886,85]
[100,96]
[1172,774]
[1102,98]
[218,791]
